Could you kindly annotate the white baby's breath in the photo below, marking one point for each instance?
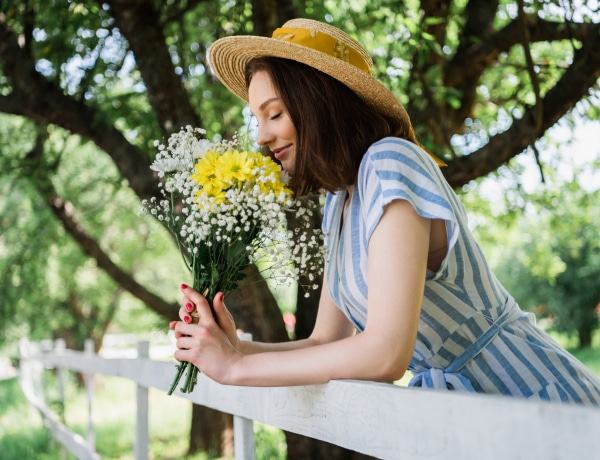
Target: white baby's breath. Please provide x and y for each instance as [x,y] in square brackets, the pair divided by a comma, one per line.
[227,209]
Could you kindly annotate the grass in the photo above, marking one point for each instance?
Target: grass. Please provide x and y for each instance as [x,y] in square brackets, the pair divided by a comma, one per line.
[588,356]
[24,437]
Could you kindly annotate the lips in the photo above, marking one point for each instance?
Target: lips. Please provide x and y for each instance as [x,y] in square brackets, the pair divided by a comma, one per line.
[280,152]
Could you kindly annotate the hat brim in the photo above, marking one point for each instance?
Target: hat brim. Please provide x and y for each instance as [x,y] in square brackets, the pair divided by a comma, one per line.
[229,56]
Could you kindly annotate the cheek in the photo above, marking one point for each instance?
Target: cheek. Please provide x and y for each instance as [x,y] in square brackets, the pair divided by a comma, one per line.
[291,132]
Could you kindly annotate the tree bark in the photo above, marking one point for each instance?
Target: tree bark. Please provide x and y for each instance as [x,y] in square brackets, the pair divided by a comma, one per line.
[255,311]
[575,83]
[139,22]
[40,98]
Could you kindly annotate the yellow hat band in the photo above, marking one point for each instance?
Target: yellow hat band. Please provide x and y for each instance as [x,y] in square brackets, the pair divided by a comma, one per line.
[324,43]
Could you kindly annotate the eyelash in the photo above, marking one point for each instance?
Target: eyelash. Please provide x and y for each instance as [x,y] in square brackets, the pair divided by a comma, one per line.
[274,117]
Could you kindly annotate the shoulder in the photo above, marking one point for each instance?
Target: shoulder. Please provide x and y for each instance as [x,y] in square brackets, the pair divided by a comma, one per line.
[395,168]
[397,152]
[392,160]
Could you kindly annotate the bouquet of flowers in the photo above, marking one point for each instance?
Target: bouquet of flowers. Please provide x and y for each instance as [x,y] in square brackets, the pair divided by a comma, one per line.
[226,207]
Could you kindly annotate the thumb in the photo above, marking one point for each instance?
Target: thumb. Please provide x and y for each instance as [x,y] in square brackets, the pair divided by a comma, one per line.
[222,314]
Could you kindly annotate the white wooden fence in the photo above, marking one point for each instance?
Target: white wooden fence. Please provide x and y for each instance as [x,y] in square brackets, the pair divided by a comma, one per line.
[382,420]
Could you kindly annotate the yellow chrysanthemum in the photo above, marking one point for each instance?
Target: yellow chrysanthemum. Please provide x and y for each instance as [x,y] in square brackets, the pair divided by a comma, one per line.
[235,167]
[271,171]
[207,171]
[211,191]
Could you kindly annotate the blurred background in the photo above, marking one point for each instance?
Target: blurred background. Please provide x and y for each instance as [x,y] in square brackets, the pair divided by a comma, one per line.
[506,92]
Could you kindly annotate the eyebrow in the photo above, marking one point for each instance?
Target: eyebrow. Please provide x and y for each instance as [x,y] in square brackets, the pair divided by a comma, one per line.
[267,102]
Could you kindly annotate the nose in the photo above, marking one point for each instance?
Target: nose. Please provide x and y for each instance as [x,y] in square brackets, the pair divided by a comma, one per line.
[264,136]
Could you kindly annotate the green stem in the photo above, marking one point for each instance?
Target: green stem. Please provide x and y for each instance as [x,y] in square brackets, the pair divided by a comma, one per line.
[181,367]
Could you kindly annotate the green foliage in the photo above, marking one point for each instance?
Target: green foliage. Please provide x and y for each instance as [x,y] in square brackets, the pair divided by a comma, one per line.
[546,247]
[50,286]
[22,435]
[45,272]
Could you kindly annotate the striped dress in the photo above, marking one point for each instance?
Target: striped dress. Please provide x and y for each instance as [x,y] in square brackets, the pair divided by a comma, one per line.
[472,336]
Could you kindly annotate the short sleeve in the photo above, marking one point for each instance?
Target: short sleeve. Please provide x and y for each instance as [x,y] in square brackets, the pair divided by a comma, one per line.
[393,169]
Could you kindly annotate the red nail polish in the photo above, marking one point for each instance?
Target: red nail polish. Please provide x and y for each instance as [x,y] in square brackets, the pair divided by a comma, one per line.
[187,319]
[183,286]
[189,307]
[221,297]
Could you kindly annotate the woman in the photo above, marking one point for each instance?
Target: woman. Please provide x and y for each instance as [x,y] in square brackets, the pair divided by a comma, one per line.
[402,268]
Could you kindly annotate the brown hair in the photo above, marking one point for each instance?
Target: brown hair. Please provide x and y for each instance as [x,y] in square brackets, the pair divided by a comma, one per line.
[334,126]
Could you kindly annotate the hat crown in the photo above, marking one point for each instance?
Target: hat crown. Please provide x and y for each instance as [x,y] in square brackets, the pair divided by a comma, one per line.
[341,45]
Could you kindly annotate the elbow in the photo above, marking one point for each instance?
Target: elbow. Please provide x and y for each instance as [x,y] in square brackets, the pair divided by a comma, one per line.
[388,369]
[394,361]
[391,372]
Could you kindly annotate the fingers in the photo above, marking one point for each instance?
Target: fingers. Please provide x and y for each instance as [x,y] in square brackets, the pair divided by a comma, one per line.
[225,321]
[182,329]
[188,314]
[219,306]
[195,306]
[224,318]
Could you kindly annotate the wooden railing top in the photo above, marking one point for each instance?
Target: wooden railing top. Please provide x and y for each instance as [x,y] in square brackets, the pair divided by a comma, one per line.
[383,420]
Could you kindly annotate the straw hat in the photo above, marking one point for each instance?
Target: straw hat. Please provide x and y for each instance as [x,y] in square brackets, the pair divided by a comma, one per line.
[310,42]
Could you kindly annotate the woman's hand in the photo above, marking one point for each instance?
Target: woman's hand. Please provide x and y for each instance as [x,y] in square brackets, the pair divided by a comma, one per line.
[189,312]
[210,344]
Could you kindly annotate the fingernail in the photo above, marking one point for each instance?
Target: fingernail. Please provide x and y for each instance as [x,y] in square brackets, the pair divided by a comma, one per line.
[187,319]
[189,307]
[183,286]
[172,324]
[221,297]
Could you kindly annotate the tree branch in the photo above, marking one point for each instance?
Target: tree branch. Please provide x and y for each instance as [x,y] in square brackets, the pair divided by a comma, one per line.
[572,86]
[66,214]
[436,9]
[472,60]
[42,101]
[139,22]
[535,84]
[465,69]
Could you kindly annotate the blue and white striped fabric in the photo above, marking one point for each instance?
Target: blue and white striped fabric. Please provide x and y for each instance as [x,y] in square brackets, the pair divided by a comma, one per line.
[472,335]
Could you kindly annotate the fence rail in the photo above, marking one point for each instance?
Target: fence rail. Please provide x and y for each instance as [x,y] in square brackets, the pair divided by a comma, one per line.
[382,420]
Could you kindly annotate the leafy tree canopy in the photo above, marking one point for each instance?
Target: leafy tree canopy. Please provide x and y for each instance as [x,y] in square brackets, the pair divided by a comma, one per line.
[87,86]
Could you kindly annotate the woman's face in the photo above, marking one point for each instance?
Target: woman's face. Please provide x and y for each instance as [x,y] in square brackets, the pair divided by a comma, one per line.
[275,128]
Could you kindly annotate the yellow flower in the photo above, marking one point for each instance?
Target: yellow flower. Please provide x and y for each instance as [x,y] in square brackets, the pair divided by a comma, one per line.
[207,171]
[212,191]
[271,171]
[235,167]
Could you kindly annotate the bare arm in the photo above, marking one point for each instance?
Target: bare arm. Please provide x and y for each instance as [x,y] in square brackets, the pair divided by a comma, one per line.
[330,325]
[397,263]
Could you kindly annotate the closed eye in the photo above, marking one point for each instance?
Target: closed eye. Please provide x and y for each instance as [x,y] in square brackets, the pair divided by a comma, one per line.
[276,116]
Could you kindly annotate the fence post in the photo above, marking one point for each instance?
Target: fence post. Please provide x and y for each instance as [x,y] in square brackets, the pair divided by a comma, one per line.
[243,429]
[59,347]
[30,373]
[142,437]
[89,350]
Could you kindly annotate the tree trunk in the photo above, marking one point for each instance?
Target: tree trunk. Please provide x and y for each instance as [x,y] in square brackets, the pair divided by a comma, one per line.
[584,332]
[211,432]
[304,448]
[255,311]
